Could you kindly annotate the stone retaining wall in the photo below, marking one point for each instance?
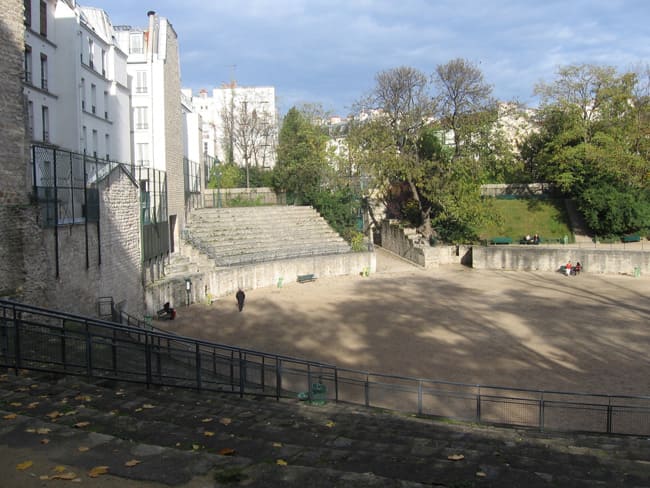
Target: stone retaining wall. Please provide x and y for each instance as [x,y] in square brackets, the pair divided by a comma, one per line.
[542,258]
[220,282]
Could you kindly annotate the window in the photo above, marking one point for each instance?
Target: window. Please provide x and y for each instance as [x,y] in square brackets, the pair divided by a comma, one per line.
[93,98]
[136,44]
[141,82]
[45,115]
[142,154]
[141,118]
[91,56]
[106,105]
[30,119]
[43,71]
[28,64]
[107,146]
[28,13]
[84,139]
[94,143]
[104,62]
[43,18]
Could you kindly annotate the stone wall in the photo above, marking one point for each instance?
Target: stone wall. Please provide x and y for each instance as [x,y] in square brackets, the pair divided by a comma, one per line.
[174,136]
[214,198]
[15,209]
[221,282]
[519,189]
[542,258]
[410,246]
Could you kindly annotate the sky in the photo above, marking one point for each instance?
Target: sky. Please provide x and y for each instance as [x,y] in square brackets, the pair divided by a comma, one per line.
[328,51]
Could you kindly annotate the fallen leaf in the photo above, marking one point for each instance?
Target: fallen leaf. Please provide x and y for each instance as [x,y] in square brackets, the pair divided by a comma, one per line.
[455,457]
[277,444]
[33,387]
[195,447]
[281,462]
[225,421]
[207,433]
[330,424]
[205,421]
[138,409]
[227,451]
[83,449]
[148,406]
[24,466]
[178,444]
[83,398]
[45,441]
[32,405]
[81,424]
[132,462]
[10,416]
[119,393]
[43,431]
[97,471]
[43,477]
[59,469]
[53,415]
[31,431]
[69,476]
[15,404]
[481,474]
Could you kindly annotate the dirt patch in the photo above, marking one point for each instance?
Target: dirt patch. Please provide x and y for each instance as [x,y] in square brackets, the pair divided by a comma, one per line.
[516,329]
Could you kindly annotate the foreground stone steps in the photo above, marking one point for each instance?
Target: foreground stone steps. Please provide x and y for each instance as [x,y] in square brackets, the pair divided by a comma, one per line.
[318,443]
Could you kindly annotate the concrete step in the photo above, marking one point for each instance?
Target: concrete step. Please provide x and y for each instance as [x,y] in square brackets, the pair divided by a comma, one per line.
[178,434]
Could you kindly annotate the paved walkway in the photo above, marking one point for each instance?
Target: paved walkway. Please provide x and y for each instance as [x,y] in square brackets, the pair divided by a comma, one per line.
[118,435]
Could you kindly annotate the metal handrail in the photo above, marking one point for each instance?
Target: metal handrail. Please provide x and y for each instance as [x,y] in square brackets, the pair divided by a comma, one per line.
[92,347]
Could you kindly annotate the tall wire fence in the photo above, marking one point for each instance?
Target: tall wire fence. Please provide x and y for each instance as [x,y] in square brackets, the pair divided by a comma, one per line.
[45,340]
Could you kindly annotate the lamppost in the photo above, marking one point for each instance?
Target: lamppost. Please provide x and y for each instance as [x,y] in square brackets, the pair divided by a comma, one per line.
[188,290]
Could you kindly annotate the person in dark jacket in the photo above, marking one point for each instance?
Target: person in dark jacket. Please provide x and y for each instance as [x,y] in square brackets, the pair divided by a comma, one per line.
[241,296]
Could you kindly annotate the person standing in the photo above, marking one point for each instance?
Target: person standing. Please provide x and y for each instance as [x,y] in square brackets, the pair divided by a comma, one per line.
[241,296]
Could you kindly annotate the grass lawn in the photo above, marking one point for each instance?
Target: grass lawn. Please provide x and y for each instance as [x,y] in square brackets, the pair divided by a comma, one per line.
[548,218]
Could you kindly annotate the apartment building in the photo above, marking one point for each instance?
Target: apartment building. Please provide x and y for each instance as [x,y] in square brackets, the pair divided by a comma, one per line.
[75,80]
[240,124]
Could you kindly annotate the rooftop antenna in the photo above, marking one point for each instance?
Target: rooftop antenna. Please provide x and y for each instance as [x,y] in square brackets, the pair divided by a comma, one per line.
[233,81]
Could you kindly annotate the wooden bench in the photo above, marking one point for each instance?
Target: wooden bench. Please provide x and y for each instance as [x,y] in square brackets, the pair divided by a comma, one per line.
[631,238]
[500,240]
[306,277]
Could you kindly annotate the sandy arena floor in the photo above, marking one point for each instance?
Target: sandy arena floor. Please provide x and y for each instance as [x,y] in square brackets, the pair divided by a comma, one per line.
[589,333]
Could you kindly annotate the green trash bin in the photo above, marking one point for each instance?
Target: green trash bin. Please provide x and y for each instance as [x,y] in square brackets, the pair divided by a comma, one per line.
[637,271]
[318,394]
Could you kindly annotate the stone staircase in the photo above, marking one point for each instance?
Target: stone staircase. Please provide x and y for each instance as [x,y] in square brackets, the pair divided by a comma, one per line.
[176,437]
[246,235]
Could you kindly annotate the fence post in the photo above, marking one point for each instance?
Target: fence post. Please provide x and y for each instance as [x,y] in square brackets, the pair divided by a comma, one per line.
[242,375]
[541,413]
[278,378]
[309,392]
[114,351]
[232,371]
[478,404]
[17,359]
[336,384]
[64,359]
[89,351]
[609,415]
[419,397]
[147,355]
[198,366]
[366,391]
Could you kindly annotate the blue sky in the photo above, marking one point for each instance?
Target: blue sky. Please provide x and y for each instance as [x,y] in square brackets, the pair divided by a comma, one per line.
[328,52]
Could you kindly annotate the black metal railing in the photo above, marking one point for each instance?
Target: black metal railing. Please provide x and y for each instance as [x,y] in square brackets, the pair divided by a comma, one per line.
[45,340]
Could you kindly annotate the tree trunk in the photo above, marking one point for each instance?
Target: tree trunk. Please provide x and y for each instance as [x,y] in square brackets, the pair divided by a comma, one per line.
[425,229]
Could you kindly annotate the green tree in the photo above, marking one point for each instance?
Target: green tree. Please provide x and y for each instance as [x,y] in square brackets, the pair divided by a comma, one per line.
[302,166]
[592,144]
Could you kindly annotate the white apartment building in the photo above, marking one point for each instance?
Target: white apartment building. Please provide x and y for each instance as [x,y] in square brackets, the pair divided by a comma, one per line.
[75,81]
[240,124]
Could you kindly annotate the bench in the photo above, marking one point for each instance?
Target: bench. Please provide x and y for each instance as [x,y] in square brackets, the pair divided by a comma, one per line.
[631,238]
[306,277]
[500,240]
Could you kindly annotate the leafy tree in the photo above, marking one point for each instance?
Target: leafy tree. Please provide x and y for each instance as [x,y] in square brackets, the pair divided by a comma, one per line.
[302,166]
[592,144]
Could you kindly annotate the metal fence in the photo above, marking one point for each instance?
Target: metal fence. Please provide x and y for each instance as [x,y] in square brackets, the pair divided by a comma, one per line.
[44,340]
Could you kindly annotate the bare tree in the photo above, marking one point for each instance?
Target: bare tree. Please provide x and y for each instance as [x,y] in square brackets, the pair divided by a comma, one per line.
[462,93]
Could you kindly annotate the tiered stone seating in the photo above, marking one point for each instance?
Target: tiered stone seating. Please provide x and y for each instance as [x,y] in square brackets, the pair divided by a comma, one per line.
[244,235]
